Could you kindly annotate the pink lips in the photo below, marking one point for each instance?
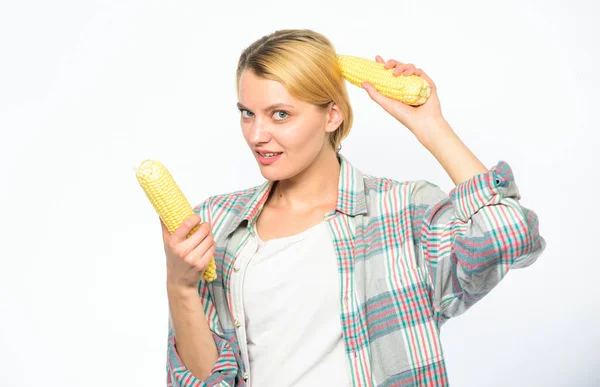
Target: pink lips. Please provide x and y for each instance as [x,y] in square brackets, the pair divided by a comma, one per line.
[268,160]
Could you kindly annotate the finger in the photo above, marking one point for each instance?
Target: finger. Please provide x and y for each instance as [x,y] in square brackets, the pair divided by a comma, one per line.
[405,69]
[202,262]
[196,239]
[195,256]
[409,69]
[184,229]
[422,74]
[397,71]
[379,59]
[385,102]
[391,63]
[165,231]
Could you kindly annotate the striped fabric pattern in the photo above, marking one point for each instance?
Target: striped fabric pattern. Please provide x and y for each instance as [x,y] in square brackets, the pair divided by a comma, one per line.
[409,258]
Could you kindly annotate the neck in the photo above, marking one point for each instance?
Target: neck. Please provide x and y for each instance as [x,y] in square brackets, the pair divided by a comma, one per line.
[316,186]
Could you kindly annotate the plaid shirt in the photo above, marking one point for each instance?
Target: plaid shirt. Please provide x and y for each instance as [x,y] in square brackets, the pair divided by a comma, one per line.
[409,257]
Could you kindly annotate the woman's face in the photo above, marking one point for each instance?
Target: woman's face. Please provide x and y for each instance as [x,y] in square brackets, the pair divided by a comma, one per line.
[285,134]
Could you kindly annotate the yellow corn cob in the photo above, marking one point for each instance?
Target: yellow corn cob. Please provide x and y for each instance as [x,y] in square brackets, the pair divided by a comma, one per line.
[168,201]
[411,90]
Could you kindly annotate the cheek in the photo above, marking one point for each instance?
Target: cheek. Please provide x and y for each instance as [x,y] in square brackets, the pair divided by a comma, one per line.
[299,136]
[246,131]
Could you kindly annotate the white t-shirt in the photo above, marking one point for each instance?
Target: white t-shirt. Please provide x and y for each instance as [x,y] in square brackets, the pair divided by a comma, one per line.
[291,296]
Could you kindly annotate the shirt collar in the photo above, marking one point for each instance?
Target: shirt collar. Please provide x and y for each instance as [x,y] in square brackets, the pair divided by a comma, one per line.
[351,198]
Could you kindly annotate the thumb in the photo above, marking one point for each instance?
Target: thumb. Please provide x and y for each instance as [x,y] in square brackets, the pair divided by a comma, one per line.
[386,103]
[396,108]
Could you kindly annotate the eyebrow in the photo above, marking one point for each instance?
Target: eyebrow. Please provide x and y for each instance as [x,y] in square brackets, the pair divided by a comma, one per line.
[268,108]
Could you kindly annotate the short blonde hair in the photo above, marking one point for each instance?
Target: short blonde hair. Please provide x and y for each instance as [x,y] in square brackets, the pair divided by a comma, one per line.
[305,62]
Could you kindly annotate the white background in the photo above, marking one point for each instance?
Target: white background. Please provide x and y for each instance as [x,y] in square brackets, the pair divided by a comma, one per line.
[89,89]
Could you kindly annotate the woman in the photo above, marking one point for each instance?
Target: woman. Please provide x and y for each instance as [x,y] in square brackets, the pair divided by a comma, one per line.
[327,276]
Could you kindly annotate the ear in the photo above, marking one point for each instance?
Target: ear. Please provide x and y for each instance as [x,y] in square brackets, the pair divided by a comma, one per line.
[334,117]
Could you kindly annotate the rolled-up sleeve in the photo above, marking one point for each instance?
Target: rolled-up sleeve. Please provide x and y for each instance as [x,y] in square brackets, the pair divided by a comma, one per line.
[225,371]
[472,237]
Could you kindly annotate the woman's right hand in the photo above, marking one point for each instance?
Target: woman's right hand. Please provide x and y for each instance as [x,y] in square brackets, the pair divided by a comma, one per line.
[187,258]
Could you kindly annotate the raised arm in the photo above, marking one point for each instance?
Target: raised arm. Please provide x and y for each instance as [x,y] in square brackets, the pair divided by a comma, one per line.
[472,237]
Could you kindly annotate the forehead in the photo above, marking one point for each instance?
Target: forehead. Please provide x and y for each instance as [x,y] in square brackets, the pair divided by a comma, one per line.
[256,92]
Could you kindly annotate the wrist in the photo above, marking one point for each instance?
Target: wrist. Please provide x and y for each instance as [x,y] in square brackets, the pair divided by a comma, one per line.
[435,133]
[179,292]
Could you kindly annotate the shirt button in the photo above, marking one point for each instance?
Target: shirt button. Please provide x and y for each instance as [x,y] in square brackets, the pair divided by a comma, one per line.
[245,376]
[237,324]
[236,269]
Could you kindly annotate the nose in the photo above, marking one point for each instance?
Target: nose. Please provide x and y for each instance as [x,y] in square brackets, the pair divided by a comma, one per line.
[259,133]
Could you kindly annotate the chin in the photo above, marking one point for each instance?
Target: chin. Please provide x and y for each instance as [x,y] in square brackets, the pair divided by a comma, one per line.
[280,170]
[274,173]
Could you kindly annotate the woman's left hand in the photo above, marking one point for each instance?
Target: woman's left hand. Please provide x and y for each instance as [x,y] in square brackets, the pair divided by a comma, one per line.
[423,121]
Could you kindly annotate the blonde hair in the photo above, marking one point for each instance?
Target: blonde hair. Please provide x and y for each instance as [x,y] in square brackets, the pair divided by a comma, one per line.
[305,62]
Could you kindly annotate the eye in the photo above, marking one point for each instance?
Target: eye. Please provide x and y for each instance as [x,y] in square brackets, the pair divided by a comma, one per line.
[281,115]
[246,113]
